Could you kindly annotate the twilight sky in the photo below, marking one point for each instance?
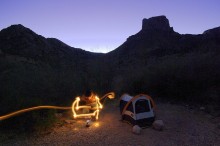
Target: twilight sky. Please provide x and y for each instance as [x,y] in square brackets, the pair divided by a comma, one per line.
[103,25]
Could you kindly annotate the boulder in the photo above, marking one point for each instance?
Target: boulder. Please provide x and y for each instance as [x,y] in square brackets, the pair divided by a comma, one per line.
[136,129]
[158,125]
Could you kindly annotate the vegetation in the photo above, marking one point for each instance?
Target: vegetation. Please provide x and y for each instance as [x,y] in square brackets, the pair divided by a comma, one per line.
[38,71]
[181,78]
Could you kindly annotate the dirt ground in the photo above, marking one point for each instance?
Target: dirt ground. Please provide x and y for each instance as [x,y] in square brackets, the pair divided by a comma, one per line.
[183,126]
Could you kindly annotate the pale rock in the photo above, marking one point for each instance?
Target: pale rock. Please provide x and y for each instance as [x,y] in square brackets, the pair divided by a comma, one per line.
[136,129]
[158,125]
[88,123]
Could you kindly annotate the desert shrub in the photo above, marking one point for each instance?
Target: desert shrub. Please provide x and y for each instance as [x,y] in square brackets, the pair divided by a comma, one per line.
[34,121]
[26,122]
[186,77]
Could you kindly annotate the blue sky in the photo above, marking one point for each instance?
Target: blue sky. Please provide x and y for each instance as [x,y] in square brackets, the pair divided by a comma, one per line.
[103,25]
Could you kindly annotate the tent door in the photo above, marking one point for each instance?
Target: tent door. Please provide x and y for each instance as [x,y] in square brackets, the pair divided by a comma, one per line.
[143,109]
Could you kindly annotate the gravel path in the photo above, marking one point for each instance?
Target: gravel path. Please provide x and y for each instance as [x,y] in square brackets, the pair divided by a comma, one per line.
[183,127]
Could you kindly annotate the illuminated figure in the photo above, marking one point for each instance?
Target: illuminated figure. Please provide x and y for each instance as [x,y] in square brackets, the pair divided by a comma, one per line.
[91,107]
[88,98]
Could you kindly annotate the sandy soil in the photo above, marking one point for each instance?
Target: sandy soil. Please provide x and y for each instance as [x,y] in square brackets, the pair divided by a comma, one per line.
[183,126]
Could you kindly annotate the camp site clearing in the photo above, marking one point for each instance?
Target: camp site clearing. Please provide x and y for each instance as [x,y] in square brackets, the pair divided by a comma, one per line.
[183,126]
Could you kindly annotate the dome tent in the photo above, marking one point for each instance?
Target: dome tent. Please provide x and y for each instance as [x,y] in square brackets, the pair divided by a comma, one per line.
[137,110]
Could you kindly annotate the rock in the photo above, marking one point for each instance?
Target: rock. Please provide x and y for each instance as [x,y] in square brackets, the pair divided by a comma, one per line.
[202,108]
[88,123]
[156,23]
[136,129]
[158,125]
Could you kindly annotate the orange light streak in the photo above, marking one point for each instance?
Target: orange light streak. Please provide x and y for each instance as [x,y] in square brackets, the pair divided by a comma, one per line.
[75,107]
[31,109]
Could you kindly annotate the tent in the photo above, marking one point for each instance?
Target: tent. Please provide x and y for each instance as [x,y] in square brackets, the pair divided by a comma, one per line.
[137,110]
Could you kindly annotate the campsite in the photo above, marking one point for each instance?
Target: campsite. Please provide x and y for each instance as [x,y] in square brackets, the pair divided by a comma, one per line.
[109,73]
[184,125]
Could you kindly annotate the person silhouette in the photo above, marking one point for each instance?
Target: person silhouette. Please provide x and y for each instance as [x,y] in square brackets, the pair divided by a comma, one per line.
[88,98]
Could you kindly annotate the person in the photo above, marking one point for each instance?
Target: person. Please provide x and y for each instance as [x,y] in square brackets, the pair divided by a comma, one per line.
[88,98]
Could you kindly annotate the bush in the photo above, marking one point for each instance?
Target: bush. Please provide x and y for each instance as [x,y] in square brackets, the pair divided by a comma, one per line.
[181,78]
[25,122]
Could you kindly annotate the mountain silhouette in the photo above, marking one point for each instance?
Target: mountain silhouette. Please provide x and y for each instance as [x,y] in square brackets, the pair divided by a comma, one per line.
[157,60]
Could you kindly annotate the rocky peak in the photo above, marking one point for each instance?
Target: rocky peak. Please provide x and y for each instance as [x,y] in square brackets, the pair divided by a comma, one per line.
[159,23]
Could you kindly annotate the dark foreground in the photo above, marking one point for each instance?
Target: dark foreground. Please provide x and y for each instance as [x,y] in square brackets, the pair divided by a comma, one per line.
[183,126]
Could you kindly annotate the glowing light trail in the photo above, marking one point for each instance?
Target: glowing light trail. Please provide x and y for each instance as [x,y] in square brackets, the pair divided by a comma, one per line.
[75,106]
[31,109]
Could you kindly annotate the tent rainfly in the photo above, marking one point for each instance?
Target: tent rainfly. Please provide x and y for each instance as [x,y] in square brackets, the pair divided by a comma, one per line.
[137,110]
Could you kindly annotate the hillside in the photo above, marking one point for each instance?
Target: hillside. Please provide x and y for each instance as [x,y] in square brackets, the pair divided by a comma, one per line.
[39,67]
[157,60]
[160,61]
